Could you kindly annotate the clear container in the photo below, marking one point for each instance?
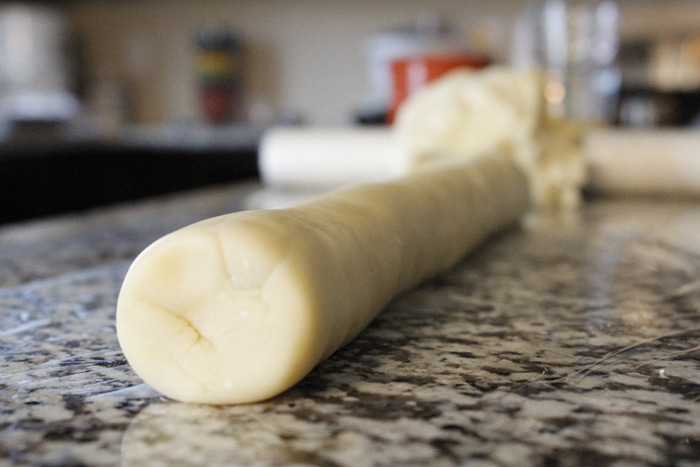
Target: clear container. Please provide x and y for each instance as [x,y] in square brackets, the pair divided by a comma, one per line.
[576,44]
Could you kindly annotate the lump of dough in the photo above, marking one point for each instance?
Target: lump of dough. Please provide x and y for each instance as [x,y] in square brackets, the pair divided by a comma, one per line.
[468,113]
[239,308]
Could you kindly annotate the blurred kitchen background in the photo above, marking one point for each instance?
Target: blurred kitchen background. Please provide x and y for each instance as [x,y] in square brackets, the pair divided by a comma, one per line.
[103,101]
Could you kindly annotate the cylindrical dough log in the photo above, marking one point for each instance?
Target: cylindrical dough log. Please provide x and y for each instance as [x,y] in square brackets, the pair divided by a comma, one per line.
[241,307]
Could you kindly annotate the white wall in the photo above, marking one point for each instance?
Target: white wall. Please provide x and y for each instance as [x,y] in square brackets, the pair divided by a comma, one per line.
[305,56]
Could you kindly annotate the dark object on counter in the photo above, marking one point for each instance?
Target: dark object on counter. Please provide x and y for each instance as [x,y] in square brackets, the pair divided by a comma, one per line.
[651,107]
[59,178]
[371,117]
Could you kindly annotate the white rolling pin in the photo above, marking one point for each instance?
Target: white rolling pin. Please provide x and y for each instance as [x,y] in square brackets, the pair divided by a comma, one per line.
[644,162]
[321,158]
[620,161]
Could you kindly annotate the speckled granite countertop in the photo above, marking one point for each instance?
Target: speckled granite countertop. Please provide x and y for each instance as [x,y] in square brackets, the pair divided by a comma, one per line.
[571,342]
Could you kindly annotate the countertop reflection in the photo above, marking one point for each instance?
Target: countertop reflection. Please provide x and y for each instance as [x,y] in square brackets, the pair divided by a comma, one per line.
[562,342]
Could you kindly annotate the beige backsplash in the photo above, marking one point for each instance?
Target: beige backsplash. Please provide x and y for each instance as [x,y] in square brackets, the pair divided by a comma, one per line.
[304,56]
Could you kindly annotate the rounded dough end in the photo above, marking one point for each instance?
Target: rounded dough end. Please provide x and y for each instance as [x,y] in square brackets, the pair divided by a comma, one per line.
[219,313]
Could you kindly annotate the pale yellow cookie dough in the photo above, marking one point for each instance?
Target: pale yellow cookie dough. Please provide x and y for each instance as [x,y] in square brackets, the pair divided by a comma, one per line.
[241,307]
[468,113]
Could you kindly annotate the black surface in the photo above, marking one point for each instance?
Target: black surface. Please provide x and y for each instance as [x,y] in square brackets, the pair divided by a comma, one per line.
[36,182]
